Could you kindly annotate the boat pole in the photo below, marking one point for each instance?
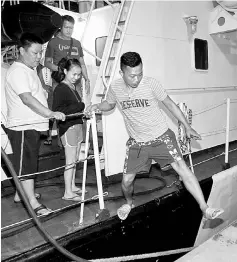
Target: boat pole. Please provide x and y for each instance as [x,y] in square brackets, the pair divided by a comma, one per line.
[88,125]
[103,213]
[227,134]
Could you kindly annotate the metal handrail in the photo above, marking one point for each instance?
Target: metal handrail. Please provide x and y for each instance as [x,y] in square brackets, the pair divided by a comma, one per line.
[199,89]
[90,53]
[120,42]
[111,44]
[88,19]
[107,2]
[87,22]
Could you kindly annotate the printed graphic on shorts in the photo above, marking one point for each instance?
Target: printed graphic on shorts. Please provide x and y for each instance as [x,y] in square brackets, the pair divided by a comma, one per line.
[126,158]
[175,154]
[131,141]
[172,150]
[166,139]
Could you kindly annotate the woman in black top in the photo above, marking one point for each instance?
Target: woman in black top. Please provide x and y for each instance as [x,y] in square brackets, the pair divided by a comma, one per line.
[67,100]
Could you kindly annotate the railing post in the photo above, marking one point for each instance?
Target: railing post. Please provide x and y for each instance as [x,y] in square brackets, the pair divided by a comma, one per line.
[227,134]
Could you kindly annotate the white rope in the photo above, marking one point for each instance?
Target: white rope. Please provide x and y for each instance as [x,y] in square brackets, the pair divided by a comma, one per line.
[223,153]
[143,256]
[232,150]
[216,132]
[234,100]
[208,108]
[199,163]
[61,167]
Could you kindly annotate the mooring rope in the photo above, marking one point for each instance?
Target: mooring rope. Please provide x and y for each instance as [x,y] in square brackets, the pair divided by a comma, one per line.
[208,108]
[143,256]
[60,167]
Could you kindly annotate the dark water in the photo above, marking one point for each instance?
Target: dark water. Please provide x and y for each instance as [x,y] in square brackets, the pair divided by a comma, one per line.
[153,228]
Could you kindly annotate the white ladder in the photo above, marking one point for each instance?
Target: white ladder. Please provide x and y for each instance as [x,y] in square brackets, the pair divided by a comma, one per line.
[110,58]
[112,51]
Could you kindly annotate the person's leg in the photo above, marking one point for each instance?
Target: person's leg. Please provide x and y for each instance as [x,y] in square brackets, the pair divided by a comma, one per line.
[190,181]
[136,160]
[168,152]
[25,146]
[79,138]
[70,154]
[128,187]
[192,185]
[74,187]
[70,147]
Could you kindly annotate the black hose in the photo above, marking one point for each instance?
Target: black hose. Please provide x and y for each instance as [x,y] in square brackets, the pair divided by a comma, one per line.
[47,236]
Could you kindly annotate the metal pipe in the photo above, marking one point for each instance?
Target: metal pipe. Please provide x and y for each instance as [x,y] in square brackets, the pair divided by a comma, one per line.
[88,124]
[227,134]
[97,161]
[88,19]
[197,89]
[111,46]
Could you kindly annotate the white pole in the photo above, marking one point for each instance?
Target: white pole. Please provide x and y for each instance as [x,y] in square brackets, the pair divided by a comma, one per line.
[97,161]
[227,130]
[88,124]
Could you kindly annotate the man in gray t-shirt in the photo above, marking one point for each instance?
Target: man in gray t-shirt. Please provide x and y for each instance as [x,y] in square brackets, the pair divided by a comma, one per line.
[150,138]
[58,48]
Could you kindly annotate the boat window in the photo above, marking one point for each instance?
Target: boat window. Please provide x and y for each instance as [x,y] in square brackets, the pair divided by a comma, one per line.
[99,47]
[201,54]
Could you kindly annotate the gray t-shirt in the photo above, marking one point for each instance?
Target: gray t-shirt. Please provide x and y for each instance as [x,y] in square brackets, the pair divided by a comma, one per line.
[58,48]
[143,118]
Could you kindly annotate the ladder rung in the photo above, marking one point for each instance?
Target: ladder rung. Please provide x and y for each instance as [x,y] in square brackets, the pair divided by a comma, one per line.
[116,40]
[111,57]
[107,76]
[100,95]
[121,22]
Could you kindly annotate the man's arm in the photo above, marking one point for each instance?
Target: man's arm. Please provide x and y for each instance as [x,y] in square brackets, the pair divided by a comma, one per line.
[105,106]
[39,108]
[175,110]
[40,75]
[49,64]
[85,75]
